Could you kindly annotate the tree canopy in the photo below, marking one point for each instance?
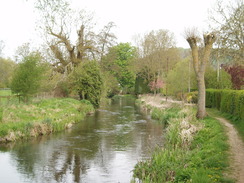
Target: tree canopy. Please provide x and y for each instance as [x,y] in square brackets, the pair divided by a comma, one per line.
[27,76]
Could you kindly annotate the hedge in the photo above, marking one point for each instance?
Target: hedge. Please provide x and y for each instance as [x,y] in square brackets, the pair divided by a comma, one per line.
[227,101]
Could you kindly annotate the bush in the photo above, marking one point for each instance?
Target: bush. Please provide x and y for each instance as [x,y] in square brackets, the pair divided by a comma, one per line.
[141,86]
[227,101]
[87,80]
[27,76]
[212,82]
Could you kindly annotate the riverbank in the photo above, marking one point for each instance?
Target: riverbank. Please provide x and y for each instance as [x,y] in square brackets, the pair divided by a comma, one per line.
[194,150]
[23,121]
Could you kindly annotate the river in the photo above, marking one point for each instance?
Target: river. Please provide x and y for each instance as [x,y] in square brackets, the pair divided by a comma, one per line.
[104,147]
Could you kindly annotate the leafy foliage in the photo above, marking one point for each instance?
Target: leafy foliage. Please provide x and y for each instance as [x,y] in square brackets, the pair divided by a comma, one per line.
[237,75]
[27,76]
[228,20]
[6,72]
[211,80]
[156,85]
[119,62]
[141,85]
[181,79]
[86,79]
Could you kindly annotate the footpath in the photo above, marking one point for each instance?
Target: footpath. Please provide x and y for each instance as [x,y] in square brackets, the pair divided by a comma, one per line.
[236,151]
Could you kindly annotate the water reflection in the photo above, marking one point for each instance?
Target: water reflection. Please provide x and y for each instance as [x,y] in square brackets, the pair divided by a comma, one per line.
[103,148]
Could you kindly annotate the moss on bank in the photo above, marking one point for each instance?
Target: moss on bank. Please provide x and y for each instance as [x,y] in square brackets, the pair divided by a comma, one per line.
[39,118]
[194,151]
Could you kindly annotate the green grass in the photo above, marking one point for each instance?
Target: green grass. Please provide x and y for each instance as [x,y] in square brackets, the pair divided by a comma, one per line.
[202,159]
[5,92]
[6,101]
[239,124]
[164,115]
[40,118]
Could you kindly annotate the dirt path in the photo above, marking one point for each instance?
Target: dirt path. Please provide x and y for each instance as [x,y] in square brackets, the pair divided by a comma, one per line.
[159,101]
[236,151]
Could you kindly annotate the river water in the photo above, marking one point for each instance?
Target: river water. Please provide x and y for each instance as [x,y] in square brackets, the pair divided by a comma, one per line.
[102,148]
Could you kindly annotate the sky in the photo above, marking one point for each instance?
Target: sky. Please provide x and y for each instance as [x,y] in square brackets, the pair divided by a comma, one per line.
[18,19]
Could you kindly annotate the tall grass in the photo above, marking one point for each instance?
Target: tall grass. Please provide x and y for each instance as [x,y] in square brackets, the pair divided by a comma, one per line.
[164,115]
[40,118]
[194,151]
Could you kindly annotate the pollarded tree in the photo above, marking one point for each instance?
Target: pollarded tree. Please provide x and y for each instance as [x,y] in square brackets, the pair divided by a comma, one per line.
[27,76]
[60,23]
[199,63]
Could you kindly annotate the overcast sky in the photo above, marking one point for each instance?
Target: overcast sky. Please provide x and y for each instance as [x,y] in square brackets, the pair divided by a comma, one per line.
[18,22]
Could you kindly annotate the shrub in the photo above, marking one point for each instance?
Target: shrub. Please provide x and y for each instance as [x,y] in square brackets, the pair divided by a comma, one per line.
[87,80]
[27,76]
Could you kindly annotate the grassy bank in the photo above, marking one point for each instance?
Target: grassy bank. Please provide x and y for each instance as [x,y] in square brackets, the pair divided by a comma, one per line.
[194,151]
[20,121]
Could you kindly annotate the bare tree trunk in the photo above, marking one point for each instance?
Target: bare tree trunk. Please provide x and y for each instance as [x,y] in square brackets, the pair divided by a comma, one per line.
[189,76]
[201,112]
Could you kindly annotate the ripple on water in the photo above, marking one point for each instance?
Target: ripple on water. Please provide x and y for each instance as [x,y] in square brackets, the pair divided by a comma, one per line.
[140,121]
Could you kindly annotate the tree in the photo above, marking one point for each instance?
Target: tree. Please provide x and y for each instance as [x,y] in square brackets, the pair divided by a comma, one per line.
[223,82]
[178,79]
[1,47]
[6,71]
[119,62]
[228,21]
[156,85]
[106,39]
[87,81]
[59,22]
[157,54]
[237,75]
[199,64]
[22,51]
[27,76]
